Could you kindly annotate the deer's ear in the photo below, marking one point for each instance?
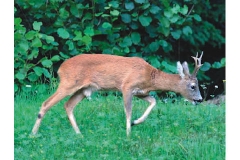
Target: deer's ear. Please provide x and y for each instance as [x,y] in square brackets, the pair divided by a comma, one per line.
[180,70]
[185,68]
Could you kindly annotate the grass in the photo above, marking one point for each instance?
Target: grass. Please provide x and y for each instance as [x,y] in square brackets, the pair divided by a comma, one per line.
[173,131]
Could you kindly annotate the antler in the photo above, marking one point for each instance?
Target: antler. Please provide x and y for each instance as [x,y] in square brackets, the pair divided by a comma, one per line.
[197,64]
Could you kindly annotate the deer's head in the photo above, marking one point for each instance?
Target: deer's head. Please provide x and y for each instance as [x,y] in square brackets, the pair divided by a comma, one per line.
[189,83]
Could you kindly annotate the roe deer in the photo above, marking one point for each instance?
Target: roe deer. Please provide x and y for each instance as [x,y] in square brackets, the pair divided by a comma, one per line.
[85,73]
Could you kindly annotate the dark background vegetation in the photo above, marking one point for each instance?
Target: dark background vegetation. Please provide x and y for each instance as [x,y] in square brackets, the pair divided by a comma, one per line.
[162,32]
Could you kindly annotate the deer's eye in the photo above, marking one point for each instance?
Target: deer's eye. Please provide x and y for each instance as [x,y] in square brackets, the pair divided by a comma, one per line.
[192,87]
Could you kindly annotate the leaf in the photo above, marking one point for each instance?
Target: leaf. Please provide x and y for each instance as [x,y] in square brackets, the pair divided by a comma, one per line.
[216,65]
[206,66]
[114,12]
[106,15]
[63,55]
[17,21]
[126,18]
[89,31]
[168,13]
[126,50]
[154,61]
[180,21]
[187,30]
[81,6]
[154,9]
[136,38]
[17,64]
[75,11]
[106,25]
[114,4]
[184,10]
[140,1]
[126,42]
[164,21]
[169,67]
[134,25]
[223,62]
[30,35]
[55,58]
[129,5]
[36,42]
[20,76]
[176,34]
[41,88]
[154,46]
[63,33]
[47,63]
[40,35]
[145,20]
[34,54]
[87,40]
[164,30]
[167,48]
[15,87]
[37,25]
[135,14]
[145,5]
[78,35]
[174,18]
[163,43]
[46,73]
[70,45]
[98,14]
[63,13]
[117,51]
[107,51]
[197,17]
[87,16]
[32,77]
[47,47]
[175,9]
[112,37]
[49,39]
[152,31]
[24,46]
[38,71]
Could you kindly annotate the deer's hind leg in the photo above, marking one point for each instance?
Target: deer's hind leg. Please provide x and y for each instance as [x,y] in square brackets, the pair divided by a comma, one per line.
[56,97]
[70,105]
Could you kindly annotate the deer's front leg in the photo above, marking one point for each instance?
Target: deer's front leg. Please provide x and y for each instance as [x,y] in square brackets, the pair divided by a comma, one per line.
[152,102]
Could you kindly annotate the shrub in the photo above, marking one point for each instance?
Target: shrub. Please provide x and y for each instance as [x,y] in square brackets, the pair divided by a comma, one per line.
[48,32]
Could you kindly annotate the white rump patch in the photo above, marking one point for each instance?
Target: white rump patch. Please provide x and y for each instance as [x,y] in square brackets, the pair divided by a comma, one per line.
[137,91]
[88,92]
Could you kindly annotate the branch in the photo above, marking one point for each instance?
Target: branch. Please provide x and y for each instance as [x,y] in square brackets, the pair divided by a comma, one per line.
[190,11]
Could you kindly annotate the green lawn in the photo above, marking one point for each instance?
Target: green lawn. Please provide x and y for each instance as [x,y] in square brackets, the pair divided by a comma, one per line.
[173,131]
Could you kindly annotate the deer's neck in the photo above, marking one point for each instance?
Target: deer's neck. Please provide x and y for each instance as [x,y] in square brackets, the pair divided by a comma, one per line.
[165,81]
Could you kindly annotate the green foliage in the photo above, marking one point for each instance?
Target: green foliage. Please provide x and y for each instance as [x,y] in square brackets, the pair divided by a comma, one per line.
[220,64]
[216,65]
[48,32]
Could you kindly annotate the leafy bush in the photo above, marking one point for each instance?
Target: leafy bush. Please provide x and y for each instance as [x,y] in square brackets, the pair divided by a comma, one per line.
[48,32]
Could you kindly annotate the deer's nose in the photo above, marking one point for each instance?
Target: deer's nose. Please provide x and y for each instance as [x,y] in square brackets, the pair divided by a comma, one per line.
[198,100]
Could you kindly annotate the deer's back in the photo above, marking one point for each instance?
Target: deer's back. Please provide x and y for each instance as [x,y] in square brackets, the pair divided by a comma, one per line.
[104,71]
